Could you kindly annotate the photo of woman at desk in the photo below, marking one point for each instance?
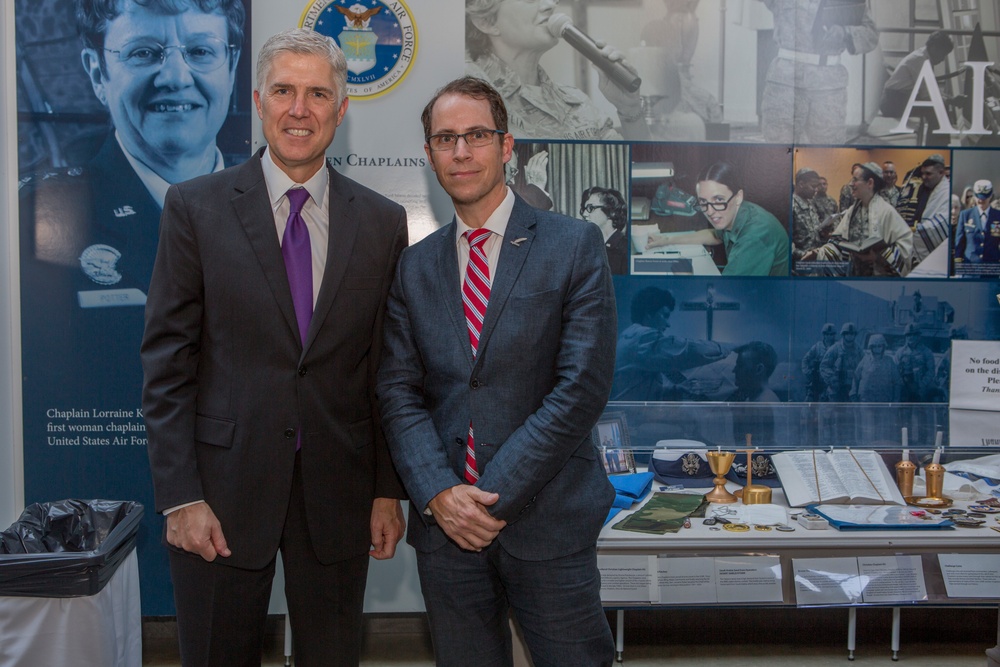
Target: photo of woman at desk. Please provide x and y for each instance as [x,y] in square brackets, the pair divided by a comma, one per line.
[756,244]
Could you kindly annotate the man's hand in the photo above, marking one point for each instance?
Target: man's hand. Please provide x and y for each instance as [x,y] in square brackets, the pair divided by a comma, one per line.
[461,512]
[194,528]
[388,526]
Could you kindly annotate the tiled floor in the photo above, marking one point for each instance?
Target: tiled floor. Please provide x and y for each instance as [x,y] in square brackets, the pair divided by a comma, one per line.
[935,638]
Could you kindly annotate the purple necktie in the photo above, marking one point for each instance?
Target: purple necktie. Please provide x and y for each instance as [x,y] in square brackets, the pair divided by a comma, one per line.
[298,259]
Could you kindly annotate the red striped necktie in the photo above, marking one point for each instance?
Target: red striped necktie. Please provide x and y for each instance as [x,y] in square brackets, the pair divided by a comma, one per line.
[475,297]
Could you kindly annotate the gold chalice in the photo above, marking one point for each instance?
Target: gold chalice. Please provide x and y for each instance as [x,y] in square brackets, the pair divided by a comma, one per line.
[720,462]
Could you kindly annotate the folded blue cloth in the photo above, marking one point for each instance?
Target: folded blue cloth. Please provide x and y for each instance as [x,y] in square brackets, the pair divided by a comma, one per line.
[623,502]
[612,514]
[633,486]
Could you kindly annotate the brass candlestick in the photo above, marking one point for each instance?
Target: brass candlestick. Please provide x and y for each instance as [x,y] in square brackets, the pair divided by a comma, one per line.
[905,471]
[934,476]
[753,494]
[720,463]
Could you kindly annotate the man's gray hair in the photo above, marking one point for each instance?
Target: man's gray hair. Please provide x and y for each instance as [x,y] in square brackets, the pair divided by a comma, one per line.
[303,42]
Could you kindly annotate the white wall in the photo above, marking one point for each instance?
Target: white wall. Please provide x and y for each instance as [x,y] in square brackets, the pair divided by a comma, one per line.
[11,467]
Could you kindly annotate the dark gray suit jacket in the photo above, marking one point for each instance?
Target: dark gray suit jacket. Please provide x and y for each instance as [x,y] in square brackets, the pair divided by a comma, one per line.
[228,383]
[534,391]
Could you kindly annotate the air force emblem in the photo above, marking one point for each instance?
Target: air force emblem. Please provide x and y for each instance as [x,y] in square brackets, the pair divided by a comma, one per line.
[378,38]
[99,263]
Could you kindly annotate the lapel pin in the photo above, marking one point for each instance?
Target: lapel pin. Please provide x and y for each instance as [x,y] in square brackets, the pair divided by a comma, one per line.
[517,243]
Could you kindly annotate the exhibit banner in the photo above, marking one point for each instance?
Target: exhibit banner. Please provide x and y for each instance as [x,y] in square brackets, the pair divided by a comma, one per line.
[796,196]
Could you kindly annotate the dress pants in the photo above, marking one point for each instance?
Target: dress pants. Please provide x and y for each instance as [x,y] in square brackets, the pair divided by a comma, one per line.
[556,602]
[221,610]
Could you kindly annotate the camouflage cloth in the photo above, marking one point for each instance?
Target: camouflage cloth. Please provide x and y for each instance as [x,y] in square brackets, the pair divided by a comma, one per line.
[805,98]
[891,195]
[825,205]
[545,111]
[876,380]
[815,387]
[663,513]
[837,369]
[805,226]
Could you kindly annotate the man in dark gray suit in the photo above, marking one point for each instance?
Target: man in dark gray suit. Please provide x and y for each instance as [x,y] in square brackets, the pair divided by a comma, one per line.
[260,367]
[489,415]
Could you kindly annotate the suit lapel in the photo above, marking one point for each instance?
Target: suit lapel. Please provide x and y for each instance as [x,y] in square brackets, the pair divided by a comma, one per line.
[344,224]
[520,228]
[253,207]
[449,278]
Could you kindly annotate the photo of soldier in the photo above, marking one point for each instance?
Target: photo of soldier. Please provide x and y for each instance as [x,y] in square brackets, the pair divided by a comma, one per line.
[891,191]
[977,234]
[816,389]
[824,203]
[805,97]
[933,312]
[926,200]
[876,380]
[976,247]
[157,103]
[870,238]
[805,216]
[504,45]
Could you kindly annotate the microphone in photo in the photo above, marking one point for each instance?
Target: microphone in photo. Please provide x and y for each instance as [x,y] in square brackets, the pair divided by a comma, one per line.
[560,25]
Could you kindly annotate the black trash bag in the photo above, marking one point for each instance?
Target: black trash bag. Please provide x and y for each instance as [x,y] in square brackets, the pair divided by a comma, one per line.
[64,525]
[67,548]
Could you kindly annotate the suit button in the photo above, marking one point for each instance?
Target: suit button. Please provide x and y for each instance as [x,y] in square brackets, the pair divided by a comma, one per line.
[475,384]
[289,433]
[303,371]
[459,441]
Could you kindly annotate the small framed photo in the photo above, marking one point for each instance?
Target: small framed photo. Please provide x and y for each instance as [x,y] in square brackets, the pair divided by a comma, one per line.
[612,439]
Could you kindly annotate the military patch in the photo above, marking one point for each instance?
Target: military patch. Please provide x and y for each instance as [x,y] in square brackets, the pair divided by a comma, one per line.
[99,263]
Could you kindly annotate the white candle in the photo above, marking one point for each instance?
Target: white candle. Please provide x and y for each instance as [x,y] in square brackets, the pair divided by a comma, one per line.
[937,439]
[906,439]
[937,457]
[906,454]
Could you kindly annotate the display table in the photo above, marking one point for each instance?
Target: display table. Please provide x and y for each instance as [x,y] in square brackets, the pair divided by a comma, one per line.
[699,545]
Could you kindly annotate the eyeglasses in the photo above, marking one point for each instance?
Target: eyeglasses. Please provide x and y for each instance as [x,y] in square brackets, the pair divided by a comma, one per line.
[535,2]
[590,208]
[703,204]
[204,55]
[473,138]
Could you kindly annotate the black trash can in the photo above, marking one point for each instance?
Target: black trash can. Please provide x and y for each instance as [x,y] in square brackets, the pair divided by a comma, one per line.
[69,585]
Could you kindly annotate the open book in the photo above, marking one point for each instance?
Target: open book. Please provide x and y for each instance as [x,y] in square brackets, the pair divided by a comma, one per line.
[873,243]
[843,476]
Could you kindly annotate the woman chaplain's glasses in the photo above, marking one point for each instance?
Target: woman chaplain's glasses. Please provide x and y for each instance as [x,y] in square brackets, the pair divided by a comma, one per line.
[590,208]
[474,138]
[203,55]
[703,204]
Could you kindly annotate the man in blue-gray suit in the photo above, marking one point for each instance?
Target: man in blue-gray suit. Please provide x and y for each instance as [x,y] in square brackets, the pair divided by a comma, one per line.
[489,420]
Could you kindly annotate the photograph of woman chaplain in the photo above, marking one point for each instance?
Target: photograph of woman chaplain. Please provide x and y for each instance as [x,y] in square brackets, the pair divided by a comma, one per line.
[869,217]
[606,208]
[504,42]
[756,244]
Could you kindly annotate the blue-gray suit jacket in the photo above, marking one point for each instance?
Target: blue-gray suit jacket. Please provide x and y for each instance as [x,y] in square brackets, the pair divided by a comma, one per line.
[534,391]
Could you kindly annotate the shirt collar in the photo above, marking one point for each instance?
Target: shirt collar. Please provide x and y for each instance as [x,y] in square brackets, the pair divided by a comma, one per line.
[278,182]
[154,183]
[496,223]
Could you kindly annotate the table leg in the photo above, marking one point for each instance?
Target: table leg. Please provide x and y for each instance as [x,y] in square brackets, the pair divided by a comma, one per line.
[620,635]
[895,633]
[852,631]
